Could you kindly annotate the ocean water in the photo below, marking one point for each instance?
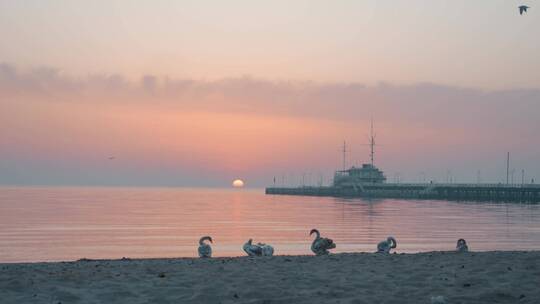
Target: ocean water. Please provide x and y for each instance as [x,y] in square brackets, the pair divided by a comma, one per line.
[59,224]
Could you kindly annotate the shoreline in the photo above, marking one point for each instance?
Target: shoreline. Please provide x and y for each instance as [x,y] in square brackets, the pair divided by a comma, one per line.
[474,277]
[193,258]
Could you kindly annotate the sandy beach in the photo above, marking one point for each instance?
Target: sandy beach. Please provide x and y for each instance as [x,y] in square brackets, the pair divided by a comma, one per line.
[435,277]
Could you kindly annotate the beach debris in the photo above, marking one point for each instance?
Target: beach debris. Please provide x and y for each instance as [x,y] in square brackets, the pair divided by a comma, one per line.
[205,250]
[387,245]
[320,245]
[438,300]
[461,246]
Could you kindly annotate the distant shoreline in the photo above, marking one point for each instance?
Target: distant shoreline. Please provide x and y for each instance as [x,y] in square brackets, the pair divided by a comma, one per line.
[479,277]
[242,256]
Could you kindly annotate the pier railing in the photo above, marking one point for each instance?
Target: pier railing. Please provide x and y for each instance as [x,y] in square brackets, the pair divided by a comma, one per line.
[462,185]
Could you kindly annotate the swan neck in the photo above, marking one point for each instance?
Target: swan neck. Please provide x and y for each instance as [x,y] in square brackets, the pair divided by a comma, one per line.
[201,240]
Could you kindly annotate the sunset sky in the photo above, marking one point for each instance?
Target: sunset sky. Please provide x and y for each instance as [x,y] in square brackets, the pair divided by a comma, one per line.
[198,93]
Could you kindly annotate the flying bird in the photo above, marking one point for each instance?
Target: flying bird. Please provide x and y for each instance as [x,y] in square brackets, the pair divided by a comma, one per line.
[252,250]
[205,251]
[387,245]
[111,157]
[462,246]
[320,246]
[523,9]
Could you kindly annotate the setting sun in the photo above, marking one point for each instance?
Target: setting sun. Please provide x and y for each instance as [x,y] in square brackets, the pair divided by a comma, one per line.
[238,183]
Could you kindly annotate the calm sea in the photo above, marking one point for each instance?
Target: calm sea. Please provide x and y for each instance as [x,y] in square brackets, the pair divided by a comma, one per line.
[53,224]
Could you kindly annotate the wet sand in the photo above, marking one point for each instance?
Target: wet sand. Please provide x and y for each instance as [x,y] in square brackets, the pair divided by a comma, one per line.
[435,277]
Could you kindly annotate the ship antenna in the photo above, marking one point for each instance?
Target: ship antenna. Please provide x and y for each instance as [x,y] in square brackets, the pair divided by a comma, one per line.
[344,151]
[507,166]
[372,143]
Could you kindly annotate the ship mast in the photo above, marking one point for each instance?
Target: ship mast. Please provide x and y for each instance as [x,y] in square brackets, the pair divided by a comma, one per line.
[372,143]
[344,151]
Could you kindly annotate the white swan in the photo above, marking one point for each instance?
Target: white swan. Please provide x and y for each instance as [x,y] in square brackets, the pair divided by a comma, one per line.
[252,250]
[387,245]
[462,246]
[321,245]
[205,251]
[266,249]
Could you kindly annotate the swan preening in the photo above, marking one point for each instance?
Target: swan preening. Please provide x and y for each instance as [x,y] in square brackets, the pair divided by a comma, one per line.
[320,246]
[259,249]
[386,245]
[252,250]
[205,251]
[462,246]
[266,249]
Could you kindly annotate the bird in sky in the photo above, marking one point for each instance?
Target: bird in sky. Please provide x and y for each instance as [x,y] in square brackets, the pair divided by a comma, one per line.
[111,157]
[523,9]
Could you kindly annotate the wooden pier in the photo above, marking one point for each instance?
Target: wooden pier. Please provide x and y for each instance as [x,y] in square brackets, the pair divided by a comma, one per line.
[462,192]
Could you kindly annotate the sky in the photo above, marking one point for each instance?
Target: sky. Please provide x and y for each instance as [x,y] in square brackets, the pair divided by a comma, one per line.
[198,93]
